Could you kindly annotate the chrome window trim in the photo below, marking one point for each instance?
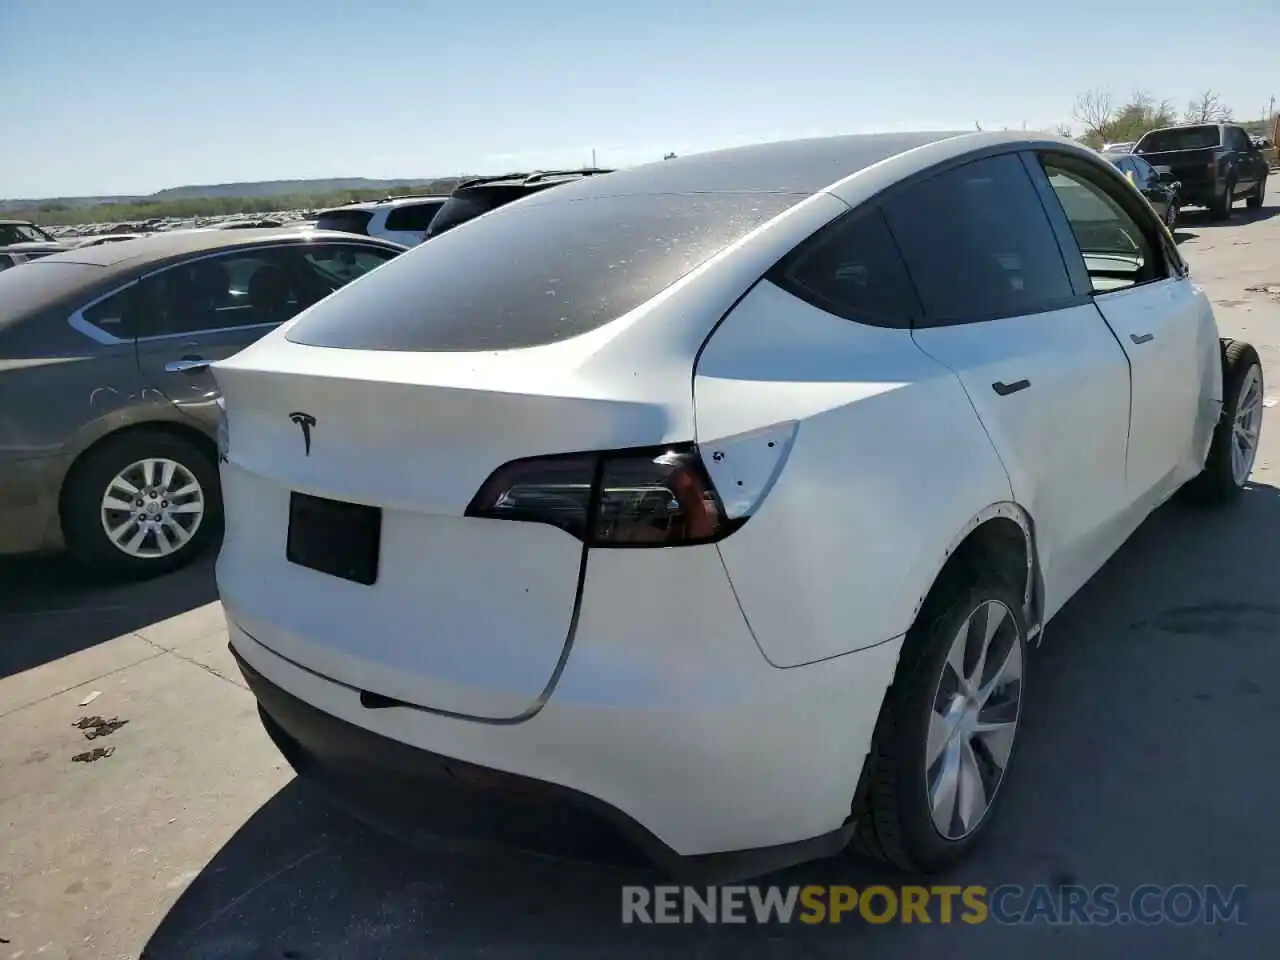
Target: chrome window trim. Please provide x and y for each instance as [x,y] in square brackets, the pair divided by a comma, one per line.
[78,323]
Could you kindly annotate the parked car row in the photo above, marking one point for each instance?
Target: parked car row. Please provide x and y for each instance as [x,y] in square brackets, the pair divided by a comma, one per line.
[860,414]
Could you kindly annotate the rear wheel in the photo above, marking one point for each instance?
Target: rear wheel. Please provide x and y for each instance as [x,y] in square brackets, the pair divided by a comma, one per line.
[1221,209]
[1235,439]
[141,504]
[1255,199]
[946,733]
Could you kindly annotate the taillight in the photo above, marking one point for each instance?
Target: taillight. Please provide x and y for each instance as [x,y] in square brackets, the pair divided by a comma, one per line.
[653,497]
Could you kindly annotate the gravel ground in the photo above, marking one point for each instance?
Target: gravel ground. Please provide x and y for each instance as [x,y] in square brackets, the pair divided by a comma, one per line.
[1147,758]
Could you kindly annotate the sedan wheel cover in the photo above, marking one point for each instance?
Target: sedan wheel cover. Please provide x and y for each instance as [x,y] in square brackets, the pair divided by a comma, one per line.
[973,720]
[1247,426]
[152,508]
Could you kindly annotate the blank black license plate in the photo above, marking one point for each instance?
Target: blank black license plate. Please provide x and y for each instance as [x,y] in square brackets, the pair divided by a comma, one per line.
[340,539]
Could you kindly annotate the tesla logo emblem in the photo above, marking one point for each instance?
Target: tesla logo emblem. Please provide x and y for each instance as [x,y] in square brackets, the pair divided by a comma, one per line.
[306,421]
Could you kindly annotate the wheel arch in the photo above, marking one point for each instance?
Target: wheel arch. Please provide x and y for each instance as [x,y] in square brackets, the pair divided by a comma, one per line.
[1000,536]
[56,536]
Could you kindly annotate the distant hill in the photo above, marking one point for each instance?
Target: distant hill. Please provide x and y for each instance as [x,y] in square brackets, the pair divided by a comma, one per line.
[262,188]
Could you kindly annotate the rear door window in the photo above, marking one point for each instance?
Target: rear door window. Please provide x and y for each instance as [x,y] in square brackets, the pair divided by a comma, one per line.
[542,272]
[414,217]
[978,244]
[346,221]
[340,263]
[240,289]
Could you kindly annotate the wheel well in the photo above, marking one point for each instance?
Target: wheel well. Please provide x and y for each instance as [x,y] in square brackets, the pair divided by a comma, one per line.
[998,545]
[182,431]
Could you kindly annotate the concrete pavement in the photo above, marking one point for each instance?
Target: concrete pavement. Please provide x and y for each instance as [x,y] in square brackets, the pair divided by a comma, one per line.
[1147,757]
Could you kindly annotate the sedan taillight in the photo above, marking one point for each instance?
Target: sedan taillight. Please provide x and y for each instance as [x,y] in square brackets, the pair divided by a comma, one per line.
[654,497]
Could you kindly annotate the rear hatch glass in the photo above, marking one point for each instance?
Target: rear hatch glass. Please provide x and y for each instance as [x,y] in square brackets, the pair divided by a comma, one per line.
[542,272]
[346,221]
[469,204]
[1181,138]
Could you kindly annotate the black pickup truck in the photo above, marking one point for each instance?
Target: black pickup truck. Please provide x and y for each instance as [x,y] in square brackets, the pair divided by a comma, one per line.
[1216,163]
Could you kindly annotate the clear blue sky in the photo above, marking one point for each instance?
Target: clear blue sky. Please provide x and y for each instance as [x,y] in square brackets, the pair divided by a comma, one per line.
[126,96]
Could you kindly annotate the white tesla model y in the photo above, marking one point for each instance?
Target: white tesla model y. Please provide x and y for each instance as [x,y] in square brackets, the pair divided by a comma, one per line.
[723,498]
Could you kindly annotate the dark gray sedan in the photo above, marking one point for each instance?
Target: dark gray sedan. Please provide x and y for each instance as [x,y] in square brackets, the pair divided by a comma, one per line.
[108,411]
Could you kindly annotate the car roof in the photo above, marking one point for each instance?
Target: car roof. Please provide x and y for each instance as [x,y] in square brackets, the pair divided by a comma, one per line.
[175,244]
[35,246]
[401,201]
[11,223]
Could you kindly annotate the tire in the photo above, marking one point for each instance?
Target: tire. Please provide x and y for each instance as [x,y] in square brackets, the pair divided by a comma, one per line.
[1255,199]
[1222,206]
[1243,389]
[85,516]
[893,811]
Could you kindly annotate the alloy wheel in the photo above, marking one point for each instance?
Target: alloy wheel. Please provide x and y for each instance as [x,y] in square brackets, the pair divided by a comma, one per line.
[1246,426]
[152,508]
[974,719]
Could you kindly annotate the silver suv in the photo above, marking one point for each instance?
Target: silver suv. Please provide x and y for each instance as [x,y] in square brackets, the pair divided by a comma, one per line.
[398,219]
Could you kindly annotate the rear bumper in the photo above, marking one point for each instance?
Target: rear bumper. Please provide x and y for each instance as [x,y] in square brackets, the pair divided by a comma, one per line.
[666,722]
[412,793]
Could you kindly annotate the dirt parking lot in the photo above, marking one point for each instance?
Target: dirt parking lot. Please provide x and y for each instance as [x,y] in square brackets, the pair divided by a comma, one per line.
[1149,756]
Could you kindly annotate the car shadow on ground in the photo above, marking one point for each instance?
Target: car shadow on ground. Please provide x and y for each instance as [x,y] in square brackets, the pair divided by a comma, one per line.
[1240,216]
[1139,763]
[50,608]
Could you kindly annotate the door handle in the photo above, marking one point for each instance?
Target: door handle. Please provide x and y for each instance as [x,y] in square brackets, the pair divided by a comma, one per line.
[1145,338]
[187,365]
[1004,389]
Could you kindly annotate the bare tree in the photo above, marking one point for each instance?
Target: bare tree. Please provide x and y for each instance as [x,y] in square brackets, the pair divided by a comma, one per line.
[1094,110]
[1063,130]
[1207,108]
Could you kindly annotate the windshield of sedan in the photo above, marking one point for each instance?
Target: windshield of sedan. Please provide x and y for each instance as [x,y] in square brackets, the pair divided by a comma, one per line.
[1179,138]
[22,233]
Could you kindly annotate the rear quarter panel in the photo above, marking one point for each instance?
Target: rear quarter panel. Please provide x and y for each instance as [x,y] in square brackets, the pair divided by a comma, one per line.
[888,466]
[60,393]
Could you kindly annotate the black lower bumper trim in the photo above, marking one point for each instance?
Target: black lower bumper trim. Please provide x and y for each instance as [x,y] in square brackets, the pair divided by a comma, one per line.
[418,795]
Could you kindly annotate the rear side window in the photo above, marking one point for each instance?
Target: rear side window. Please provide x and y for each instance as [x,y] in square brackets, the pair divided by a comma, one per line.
[413,216]
[117,314]
[1179,138]
[540,273]
[854,270]
[6,261]
[347,221]
[978,244]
